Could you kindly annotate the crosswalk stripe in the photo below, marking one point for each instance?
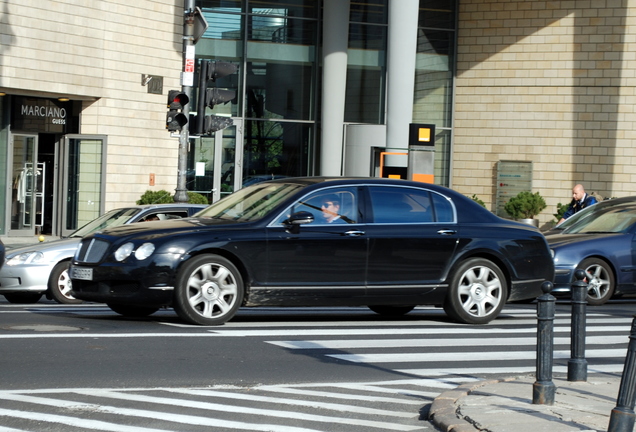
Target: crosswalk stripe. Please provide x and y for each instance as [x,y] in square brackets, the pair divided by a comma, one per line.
[428,343]
[346,396]
[477,371]
[315,332]
[467,356]
[408,331]
[293,402]
[85,424]
[158,415]
[253,410]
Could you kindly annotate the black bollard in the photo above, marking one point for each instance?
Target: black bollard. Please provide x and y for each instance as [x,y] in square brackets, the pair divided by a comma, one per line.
[622,417]
[577,365]
[543,389]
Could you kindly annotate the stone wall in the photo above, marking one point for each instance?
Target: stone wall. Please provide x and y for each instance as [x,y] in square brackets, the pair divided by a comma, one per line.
[550,82]
[97,51]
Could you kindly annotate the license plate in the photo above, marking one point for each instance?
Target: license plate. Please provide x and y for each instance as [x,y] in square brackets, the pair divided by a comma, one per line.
[82,273]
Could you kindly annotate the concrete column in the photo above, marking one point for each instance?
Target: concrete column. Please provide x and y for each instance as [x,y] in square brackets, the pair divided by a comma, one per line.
[401,53]
[335,38]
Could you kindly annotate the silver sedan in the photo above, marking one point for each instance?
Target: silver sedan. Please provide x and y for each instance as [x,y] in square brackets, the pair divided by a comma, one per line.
[30,272]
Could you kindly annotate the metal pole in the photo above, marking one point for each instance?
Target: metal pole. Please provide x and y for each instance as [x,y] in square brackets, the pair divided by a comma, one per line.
[543,389]
[622,418]
[187,76]
[577,365]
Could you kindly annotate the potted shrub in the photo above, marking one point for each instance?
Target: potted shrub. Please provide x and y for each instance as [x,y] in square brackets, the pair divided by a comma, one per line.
[525,206]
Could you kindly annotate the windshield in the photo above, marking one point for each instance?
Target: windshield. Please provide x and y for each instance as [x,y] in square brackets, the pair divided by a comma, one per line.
[251,203]
[112,218]
[577,218]
[615,219]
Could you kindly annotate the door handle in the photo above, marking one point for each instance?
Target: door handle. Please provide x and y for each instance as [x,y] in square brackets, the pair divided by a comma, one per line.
[354,233]
[446,232]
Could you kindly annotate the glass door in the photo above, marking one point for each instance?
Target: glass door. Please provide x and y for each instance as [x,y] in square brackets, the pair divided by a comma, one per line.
[82,173]
[27,183]
[214,163]
[228,154]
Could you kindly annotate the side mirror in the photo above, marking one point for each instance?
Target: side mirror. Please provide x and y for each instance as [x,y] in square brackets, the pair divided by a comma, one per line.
[300,218]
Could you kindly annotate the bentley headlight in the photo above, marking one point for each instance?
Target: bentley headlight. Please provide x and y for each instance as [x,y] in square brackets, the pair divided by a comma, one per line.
[124,251]
[144,251]
[25,258]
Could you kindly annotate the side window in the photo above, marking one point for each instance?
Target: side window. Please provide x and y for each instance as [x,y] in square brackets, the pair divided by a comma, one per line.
[164,216]
[443,209]
[400,205]
[332,206]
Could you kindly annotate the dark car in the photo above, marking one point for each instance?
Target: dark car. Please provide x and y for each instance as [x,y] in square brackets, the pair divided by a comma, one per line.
[42,269]
[599,240]
[387,244]
[1,254]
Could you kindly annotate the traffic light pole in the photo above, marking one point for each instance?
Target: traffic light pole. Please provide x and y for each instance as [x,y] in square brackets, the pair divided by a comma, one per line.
[187,77]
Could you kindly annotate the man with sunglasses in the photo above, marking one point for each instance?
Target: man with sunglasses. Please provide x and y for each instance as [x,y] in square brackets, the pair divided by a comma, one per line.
[331,209]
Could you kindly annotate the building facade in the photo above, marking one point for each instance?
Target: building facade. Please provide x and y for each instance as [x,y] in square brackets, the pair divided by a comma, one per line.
[541,88]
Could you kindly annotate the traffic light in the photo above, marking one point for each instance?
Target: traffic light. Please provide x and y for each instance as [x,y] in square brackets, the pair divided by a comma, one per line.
[210,97]
[175,119]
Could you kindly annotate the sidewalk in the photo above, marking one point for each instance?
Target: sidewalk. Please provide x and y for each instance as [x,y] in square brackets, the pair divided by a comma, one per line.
[506,406]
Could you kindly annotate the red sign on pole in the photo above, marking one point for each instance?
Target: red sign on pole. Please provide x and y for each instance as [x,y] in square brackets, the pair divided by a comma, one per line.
[189,65]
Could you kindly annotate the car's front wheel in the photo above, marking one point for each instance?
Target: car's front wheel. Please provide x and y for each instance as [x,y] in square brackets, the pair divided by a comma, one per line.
[23,298]
[477,292]
[209,290]
[60,284]
[600,281]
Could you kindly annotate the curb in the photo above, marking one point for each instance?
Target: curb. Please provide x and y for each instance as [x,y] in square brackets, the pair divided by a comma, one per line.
[444,409]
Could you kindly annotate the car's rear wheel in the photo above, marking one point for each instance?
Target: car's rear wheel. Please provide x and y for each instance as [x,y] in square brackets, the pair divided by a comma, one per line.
[209,290]
[477,292]
[600,281]
[132,311]
[23,298]
[60,284]
[391,311]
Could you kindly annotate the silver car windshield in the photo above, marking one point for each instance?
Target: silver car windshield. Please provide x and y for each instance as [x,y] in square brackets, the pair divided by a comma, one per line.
[615,220]
[112,218]
[251,203]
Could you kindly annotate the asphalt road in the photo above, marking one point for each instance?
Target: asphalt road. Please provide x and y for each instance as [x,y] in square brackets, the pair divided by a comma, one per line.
[78,368]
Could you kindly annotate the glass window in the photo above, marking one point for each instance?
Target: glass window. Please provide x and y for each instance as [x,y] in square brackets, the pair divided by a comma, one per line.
[276,149]
[374,11]
[400,205]
[251,203]
[434,77]
[289,8]
[222,24]
[443,208]
[442,157]
[225,5]
[331,206]
[437,14]
[366,71]
[280,69]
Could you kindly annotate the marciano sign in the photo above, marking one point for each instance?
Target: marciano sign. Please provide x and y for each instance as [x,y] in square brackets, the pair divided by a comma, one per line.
[57,114]
[39,115]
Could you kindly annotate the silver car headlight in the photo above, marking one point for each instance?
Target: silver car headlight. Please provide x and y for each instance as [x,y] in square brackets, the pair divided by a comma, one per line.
[144,251]
[124,251]
[26,258]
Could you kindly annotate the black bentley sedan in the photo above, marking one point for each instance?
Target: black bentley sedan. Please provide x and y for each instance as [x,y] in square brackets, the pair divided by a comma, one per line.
[387,244]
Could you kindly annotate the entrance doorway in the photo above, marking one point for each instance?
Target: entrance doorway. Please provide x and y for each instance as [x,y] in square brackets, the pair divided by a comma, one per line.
[27,186]
[57,182]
